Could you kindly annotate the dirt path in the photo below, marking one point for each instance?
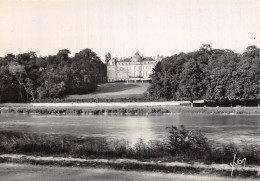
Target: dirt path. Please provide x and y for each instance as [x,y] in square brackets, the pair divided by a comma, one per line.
[176,168]
[25,172]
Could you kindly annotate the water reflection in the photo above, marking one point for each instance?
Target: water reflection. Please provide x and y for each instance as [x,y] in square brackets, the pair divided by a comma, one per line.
[221,128]
[137,129]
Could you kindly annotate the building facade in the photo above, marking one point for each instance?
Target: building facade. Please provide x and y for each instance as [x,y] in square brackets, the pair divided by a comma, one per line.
[136,68]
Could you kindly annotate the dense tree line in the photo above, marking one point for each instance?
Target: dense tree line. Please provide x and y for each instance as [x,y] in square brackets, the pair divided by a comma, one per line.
[208,74]
[30,78]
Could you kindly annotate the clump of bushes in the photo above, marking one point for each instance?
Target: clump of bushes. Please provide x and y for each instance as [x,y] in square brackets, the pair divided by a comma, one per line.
[131,110]
[187,143]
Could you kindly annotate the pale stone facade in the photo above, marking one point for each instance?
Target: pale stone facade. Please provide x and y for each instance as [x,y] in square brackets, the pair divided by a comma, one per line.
[136,68]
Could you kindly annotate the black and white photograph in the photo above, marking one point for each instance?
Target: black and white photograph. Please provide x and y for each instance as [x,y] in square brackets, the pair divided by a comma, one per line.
[129,90]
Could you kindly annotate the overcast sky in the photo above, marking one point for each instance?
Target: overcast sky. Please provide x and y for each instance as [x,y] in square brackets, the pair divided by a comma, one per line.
[123,27]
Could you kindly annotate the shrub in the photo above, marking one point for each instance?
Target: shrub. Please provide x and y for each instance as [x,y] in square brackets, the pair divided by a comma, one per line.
[190,144]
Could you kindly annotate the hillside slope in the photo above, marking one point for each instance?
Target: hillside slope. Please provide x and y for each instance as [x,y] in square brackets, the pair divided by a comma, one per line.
[115,90]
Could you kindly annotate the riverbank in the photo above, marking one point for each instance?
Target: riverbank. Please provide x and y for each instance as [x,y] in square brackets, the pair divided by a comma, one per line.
[128,109]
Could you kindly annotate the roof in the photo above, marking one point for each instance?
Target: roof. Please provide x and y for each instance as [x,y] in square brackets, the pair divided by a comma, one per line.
[126,60]
[148,59]
[136,55]
[136,58]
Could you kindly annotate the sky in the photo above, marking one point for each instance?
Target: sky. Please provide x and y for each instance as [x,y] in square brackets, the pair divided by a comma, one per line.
[123,27]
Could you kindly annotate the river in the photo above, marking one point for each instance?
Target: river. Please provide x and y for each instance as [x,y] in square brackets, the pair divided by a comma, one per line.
[220,128]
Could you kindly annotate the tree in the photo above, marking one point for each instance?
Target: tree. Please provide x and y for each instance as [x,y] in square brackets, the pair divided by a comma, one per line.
[86,64]
[206,47]
[249,71]
[165,76]
[63,56]
[107,57]
[30,89]
[251,48]
[191,86]
[8,86]
[18,71]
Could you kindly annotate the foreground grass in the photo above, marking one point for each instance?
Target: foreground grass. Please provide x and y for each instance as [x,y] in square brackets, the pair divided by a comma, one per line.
[174,148]
[9,108]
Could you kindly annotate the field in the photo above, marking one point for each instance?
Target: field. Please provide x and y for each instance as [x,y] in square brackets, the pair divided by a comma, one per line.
[115,90]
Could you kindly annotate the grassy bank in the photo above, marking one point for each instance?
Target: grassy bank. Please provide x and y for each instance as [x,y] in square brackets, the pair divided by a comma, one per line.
[181,145]
[128,110]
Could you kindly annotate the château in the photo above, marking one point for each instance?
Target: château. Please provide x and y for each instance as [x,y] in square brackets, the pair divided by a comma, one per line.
[136,68]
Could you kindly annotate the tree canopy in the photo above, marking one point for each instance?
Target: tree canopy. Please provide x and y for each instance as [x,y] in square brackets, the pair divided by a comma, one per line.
[208,74]
[27,77]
